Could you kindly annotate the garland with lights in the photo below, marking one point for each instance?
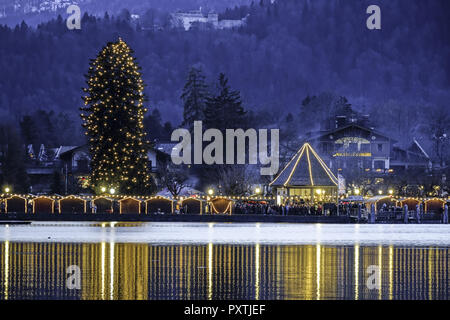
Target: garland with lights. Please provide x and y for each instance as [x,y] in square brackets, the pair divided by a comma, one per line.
[58,200]
[113,119]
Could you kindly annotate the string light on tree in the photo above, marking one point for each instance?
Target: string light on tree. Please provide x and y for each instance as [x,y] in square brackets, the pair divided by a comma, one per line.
[113,119]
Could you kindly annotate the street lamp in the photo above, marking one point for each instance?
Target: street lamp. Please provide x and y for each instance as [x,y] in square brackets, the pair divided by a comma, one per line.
[112,190]
[391,191]
[7,190]
[356,191]
[380,192]
[210,192]
[103,189]
[258,190]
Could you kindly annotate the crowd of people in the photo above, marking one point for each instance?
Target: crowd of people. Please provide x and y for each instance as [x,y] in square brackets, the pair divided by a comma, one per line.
[292,208]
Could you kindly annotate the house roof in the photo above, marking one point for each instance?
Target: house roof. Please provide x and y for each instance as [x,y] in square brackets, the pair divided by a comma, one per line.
[378,198]
[63,150]
[305,169]
[165,147]
[47,154]
[413,154]
[350,125]
[417,145]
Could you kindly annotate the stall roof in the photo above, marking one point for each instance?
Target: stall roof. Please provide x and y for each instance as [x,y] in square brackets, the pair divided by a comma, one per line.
[377,198]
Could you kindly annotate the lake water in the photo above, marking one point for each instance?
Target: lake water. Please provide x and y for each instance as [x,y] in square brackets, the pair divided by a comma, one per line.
[224,261]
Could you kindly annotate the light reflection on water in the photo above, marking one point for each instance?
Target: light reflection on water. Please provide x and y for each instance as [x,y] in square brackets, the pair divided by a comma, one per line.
[223,261]
[185,233]
[113,270]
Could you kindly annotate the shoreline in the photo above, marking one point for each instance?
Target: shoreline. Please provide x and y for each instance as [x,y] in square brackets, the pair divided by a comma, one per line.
[173,218]
[20,218]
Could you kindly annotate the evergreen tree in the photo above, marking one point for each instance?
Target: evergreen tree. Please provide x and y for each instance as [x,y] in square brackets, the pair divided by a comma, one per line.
[114,122]
[56,186]
[343,107]
[29,130]
[225,111]
[289,118]
[153,121]
[194,96]
[13,161]
[167,131]
[160,132]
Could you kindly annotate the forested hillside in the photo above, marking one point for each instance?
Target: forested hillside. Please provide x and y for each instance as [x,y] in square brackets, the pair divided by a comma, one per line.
[37,11]
[287,50]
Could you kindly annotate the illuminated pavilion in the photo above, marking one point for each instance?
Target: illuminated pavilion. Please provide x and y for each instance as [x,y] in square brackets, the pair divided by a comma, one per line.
[306,177]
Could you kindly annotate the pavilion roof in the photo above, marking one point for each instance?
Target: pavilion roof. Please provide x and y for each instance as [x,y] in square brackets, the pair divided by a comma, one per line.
[305,169]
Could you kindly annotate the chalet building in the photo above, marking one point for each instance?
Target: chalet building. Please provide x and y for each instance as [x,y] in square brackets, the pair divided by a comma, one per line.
[76,162]
[43,165]
[353,144]
[72,165]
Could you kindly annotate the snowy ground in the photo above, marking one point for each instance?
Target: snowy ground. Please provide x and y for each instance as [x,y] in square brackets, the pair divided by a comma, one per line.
[229,233]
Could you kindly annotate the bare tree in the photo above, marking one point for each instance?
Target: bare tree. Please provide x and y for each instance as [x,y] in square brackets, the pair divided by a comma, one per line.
[235,180]
[175,180]
[438,130]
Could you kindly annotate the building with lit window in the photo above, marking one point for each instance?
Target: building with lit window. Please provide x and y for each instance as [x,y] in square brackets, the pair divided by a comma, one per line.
[351,145]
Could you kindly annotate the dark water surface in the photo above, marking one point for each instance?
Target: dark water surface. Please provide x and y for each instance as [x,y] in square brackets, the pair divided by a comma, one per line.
[118,270]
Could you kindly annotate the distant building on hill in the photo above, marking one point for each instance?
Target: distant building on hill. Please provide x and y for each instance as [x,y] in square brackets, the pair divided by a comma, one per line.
[188,19]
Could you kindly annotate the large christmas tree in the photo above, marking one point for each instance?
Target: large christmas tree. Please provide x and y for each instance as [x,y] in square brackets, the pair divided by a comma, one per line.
[113,118]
